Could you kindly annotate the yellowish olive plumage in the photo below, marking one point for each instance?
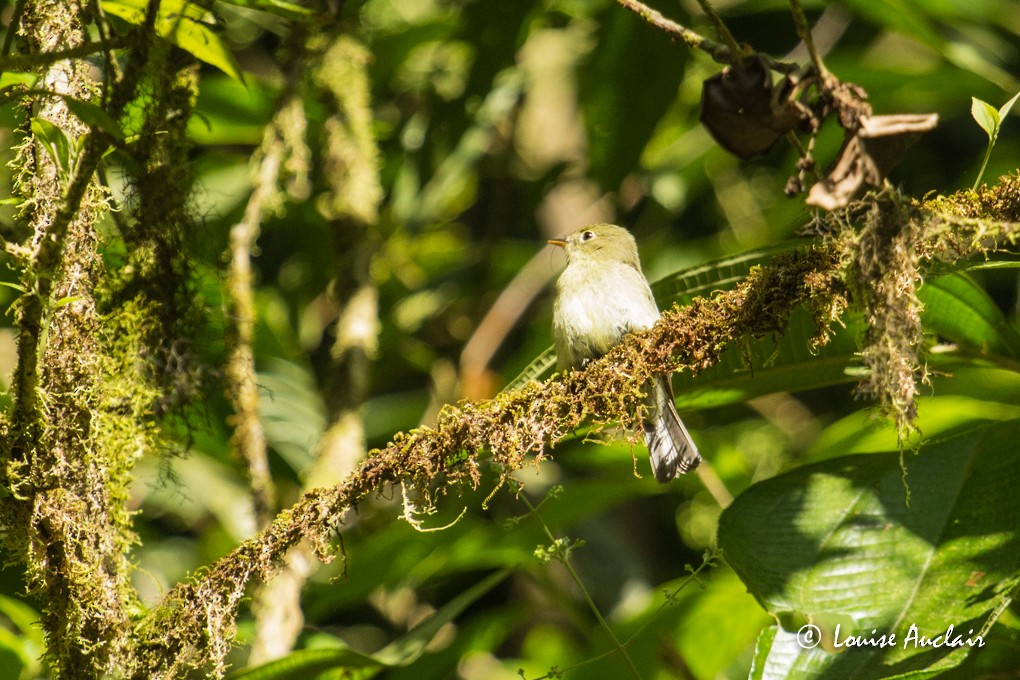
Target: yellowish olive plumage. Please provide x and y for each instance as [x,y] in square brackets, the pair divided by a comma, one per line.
[600,297]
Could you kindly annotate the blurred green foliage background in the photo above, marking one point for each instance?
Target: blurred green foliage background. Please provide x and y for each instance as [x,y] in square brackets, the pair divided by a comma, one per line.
[499,125]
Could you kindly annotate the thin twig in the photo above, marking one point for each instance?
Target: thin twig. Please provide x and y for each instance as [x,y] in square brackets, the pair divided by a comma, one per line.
[563,555]
[112,71]
[709,559]
[722,29]
[720,53]
[249,438]
[803,28]
[12,29]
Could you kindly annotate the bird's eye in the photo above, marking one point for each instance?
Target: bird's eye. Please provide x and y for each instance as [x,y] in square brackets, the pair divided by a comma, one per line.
[588,235]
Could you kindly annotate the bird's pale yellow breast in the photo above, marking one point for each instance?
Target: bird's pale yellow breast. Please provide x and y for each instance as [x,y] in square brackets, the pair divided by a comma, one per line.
[597,303]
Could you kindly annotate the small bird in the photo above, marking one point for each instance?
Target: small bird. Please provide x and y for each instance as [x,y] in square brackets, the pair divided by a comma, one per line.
[600,297]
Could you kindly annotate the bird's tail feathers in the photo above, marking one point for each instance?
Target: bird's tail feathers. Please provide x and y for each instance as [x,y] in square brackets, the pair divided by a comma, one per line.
[670,447]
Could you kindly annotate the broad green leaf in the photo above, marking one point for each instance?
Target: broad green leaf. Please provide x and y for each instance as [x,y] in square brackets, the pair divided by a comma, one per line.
[718,620]
[838,543]
[24,618]
[614,77]
[723,274]
[14,659]
[182,23]
[204,44]
[958,309]
[958,373]
[229,113]
[986,116]
[401,652]
[406,649]
[307,663]
[922,20]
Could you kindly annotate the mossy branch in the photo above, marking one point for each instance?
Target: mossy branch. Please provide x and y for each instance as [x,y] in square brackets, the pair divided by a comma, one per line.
[67,452]
[26,61]
[194,624]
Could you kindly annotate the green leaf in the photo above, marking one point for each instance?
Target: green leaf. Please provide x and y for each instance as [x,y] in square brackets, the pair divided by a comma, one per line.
[723,274]
[14,658]
[786,364]
[307,663]
[95,116]
[291,411]
[230,113]
[921,21]
[958,309]
[64,301]
[987,264]
[986,116]
[719,621]
[403,651]
[1004,111]
[21,639]
[24,618]
[285,10]
[540,367]
[181,22]
[55,141]
[937,417]
[615,76]
[838,543]
[406,649]
[9,78]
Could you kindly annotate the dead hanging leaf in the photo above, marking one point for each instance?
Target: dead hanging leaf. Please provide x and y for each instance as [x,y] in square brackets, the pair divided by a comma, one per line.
[868,155]
[745,112]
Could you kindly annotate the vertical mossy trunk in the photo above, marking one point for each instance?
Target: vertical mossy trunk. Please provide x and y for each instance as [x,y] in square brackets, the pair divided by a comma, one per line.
[73,529]
[100,350]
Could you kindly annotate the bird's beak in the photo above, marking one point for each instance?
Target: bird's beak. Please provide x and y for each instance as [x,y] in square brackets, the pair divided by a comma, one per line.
[557,242]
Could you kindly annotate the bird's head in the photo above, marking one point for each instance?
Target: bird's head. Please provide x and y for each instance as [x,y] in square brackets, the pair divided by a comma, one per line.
[600,243]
